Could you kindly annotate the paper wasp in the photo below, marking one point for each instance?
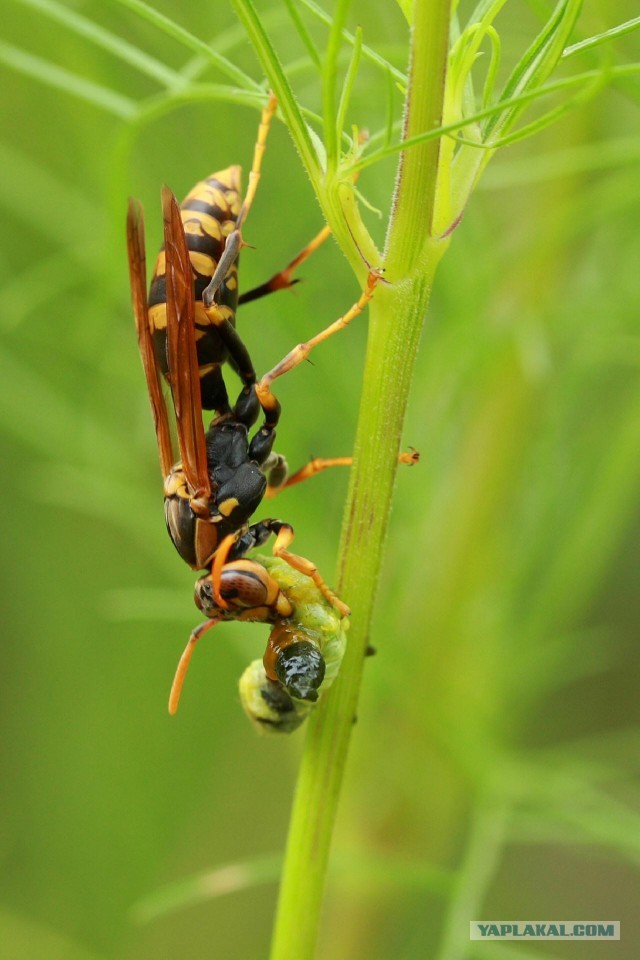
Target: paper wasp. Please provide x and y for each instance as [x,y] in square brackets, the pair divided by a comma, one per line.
[186,330]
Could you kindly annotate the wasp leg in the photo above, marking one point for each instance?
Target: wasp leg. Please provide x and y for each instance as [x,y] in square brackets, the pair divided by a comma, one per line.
[233,547]
[229,256]
[238,353]
[284,538]
[183,664]
[315,465]
[283,280]
[318,464]
[234,241]
[246,409]
[268,401]
[258,153]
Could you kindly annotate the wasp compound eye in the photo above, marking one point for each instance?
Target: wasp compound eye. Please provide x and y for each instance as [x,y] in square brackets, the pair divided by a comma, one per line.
[300,669]
[203,596]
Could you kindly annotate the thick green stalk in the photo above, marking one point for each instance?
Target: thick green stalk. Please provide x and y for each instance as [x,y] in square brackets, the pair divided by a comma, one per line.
[397,315]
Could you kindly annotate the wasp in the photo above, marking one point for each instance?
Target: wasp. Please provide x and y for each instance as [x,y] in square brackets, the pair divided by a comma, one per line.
[304,650]
[186,331]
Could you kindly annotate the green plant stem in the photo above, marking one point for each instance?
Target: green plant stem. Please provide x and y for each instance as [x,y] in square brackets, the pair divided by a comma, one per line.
[483,850]
[397,315]
[412,216]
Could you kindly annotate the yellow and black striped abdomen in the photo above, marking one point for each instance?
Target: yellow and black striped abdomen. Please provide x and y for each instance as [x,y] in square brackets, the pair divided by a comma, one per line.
[209,214]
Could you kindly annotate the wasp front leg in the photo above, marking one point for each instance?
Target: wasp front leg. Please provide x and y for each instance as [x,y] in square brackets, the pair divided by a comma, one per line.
[235,546]
[284,538]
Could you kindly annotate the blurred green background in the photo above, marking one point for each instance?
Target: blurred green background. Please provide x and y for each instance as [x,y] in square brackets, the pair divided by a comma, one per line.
[494,766]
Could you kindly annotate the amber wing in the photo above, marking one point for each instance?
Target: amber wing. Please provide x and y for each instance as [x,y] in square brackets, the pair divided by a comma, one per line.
[138,276]
[184,377]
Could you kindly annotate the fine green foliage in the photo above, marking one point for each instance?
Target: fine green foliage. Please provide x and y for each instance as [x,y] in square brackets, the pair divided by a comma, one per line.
[497,738]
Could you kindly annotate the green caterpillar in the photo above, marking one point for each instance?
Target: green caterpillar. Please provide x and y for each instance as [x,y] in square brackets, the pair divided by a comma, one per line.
[302,659]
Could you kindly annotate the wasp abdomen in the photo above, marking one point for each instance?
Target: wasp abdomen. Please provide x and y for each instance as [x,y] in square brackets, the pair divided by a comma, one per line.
[209,213]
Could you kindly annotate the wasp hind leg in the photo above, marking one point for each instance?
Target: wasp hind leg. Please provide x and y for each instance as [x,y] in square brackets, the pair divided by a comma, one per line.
[283,279]
[267,399]
[246,408]
[262,442]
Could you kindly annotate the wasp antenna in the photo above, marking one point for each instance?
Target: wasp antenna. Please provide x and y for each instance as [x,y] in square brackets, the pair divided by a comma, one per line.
[183,665]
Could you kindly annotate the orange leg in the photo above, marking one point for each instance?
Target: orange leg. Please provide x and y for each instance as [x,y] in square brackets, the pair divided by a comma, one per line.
[309,569]
[282,280]
[268,401]
[234,240]
[317,464]
[258,154]
[183,664]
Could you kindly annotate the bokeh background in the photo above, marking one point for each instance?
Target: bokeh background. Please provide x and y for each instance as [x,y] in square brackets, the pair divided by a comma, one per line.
[494,766]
